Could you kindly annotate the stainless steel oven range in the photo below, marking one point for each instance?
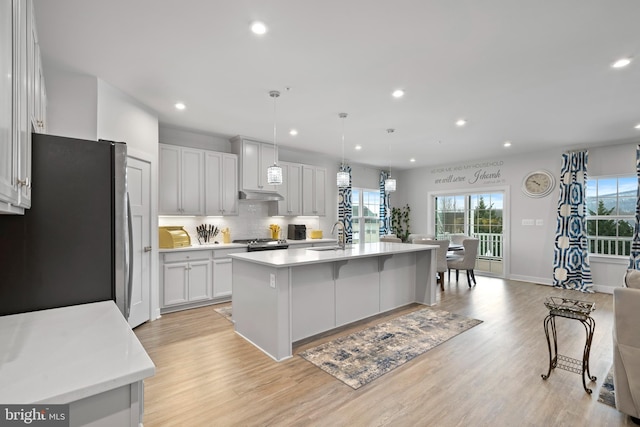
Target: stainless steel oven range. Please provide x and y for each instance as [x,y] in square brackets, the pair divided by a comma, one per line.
[254,245]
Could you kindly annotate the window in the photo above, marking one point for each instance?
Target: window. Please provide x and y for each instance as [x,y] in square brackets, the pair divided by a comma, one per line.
[611,206]
[366,215]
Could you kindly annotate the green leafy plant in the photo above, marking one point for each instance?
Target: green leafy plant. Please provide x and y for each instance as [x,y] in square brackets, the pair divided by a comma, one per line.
[400,222]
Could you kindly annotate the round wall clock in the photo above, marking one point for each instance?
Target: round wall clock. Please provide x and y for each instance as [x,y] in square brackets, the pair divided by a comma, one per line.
[539,183]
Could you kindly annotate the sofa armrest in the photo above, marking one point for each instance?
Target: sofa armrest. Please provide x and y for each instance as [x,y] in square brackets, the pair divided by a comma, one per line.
[626,314]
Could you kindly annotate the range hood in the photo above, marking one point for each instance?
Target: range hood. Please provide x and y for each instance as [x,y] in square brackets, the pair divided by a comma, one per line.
[260,196]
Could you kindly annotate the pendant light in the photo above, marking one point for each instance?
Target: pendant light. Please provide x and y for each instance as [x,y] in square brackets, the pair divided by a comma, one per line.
[390,183]
[274,173]
[343,178]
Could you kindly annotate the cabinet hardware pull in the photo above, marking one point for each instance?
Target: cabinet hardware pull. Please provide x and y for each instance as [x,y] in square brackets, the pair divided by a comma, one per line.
[147,248]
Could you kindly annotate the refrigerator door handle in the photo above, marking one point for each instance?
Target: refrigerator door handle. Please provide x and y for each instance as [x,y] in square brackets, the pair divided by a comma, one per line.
[130,263]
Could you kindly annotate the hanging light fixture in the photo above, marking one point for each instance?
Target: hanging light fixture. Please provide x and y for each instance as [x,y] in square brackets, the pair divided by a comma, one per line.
[390,183]
[343,178]
[274,173]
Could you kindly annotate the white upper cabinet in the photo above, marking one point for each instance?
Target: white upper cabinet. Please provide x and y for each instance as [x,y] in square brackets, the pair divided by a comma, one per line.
[314,183]
[221,183]
[181,181]
[17,65]
[254,157]
[291,190]
[8,145]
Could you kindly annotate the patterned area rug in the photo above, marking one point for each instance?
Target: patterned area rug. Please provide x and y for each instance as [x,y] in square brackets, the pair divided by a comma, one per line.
[363,356]
[607,393]
[224,312]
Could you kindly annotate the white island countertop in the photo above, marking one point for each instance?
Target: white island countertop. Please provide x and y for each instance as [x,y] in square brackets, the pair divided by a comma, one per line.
[65,354]
[296,257]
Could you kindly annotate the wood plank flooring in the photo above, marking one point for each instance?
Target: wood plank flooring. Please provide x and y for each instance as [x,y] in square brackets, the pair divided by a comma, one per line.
[488,376]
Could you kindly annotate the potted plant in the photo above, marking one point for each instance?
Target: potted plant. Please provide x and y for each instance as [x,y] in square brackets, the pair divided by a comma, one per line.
[400,222]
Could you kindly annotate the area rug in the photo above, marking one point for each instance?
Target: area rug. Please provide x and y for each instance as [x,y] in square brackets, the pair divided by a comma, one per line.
[224,312]
[363,356]
[607,393]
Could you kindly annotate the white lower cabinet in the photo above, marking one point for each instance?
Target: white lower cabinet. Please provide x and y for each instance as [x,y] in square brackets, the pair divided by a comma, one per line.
[195,278]
[222,277]
[186,278]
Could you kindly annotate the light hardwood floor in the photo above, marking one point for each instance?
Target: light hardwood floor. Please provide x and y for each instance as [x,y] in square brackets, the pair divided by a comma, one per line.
[488,376]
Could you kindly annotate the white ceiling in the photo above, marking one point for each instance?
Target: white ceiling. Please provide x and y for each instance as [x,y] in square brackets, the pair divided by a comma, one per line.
[536,73]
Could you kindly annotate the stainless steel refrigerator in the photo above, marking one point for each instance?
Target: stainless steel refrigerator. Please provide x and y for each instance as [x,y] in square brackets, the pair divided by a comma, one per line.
[72,246]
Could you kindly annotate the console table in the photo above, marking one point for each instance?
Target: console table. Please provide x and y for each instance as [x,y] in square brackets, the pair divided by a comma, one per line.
[569,309]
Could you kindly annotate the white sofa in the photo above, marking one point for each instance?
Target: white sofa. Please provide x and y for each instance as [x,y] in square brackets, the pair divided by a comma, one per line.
[626,346]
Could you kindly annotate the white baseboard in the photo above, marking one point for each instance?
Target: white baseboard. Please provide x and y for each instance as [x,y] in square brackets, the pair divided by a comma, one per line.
[538,280]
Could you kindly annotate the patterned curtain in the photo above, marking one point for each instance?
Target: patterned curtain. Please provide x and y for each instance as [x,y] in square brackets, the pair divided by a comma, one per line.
[345,209]
[385,206]
[634,261]
[570,256]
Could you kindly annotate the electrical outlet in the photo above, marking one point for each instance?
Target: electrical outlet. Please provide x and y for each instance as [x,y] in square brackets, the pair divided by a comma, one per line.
[527,222]
[539,222]
[272,280]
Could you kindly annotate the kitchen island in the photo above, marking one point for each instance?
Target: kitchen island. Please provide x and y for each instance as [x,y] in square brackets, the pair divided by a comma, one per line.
[283,296]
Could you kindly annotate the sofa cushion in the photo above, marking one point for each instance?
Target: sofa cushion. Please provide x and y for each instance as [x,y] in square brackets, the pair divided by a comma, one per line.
[632,279]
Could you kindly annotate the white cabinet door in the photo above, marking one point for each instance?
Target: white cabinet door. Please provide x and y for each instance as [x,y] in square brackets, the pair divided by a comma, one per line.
[313,190]
[221,183]
[229,184]
[22,97]
[199,280]
[192,181]
[175,281]
[320,191]
[8,148]
[169,180]
[251,166]
[222,277]
[181,181]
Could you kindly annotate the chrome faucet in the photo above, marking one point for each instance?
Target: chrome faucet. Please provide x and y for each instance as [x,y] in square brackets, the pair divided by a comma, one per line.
[342,238]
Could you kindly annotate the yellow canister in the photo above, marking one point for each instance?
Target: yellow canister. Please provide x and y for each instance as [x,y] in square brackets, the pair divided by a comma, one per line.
[315,234]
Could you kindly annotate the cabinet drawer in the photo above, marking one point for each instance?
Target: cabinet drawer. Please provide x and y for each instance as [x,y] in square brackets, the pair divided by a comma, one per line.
[224,253]
[185,256]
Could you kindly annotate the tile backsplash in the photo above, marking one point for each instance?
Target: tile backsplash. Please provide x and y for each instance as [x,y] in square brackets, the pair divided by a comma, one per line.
[252,222]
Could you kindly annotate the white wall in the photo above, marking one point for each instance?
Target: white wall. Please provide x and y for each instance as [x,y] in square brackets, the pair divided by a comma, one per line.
[187,138]
[529,248]
[72,107]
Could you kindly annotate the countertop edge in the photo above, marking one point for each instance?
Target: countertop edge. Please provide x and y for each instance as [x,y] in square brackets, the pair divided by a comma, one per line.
[272,259]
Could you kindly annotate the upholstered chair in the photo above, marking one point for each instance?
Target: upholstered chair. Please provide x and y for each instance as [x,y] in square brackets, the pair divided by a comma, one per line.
[390,239]
[626,346]
[441,256]
[457,239]
[465,262]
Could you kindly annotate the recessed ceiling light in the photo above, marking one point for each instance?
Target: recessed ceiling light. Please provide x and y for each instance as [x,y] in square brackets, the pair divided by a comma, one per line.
[412,160]
[293,132]
[638,126]
[258,28]
[461,122]
[621,63]
[358,147]
[398,93]
[180,106]
[507,144]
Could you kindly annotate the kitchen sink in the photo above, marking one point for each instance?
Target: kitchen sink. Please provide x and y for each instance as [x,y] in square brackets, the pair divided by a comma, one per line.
[327,248]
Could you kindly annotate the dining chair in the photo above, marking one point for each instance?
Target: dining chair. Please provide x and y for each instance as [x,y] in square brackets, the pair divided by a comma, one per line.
[465,262]
[390,239]
[441,256]
[457,239]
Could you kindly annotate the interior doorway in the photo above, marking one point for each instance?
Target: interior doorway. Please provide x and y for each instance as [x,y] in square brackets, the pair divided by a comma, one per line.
[478,215]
